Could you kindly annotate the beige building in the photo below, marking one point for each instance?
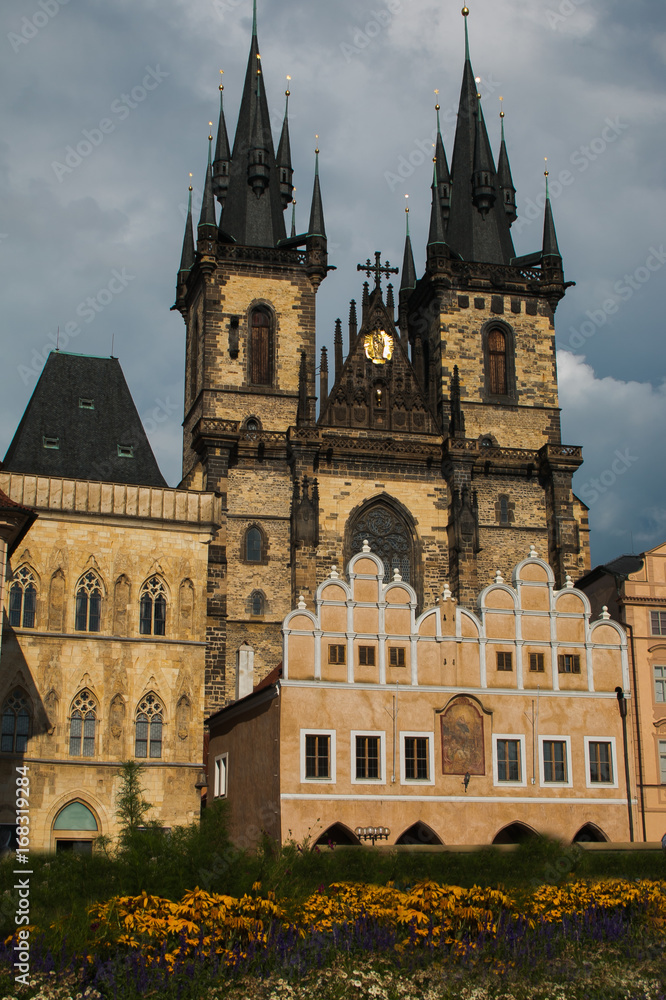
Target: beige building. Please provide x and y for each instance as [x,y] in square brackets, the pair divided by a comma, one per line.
[634,589]
[452,726]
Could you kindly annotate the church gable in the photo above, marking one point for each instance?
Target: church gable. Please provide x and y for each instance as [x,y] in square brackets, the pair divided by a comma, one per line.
[377,388]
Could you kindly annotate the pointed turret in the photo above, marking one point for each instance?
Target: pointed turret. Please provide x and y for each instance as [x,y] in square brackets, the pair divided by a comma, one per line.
[285,168]
[443,173]
[302,414]
[222,161]
[505,179]
[316,243]
[293,219]
[436,233]
[337,341]
[317,227]
[323,378]
[353,323]
[457,421]
[390,301]
[408,278]
[187,256]
[478,227]
[551,251]
[207,228]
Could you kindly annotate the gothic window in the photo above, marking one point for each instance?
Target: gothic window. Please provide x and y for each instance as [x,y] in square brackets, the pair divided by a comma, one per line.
[256,603]
[260,347]
[152,607]
[23,599]
[149,719]
[88,604]
[254,547]
[16,722]
[82,725]
[497,350]
[388,537]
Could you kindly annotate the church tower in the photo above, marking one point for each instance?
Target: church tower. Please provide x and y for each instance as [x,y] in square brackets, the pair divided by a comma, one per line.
[247,292]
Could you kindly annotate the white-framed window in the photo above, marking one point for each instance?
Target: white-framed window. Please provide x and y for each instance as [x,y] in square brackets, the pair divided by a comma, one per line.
[509,759]
[318,755]
[659,683]
[368,757]
[600,762]
[555,761]
[220,776]
[662,761]
[417,758]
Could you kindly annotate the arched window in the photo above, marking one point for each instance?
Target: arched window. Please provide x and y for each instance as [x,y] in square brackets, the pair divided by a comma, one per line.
[149,718]
[260,347]
[257,602]
[82,725]
[22,599]
[388,537]
[497,362]
[16,722]
[254,545]
[504,510]
[152,614]
[88,604]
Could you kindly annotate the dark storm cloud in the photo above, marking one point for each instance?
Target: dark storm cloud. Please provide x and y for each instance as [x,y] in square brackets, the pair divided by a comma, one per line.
[363,77]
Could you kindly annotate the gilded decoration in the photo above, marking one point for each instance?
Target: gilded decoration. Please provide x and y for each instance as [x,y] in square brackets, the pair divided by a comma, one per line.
[378,346]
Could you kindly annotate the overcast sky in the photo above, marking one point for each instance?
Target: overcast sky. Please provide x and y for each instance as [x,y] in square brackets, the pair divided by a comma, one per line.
[582,82]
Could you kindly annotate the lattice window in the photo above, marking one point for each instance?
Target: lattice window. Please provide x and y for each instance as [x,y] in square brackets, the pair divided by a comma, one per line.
[23,599]
[149,721]
[88,604]
[82,723]
[388,537]
[16,722]
[153,607]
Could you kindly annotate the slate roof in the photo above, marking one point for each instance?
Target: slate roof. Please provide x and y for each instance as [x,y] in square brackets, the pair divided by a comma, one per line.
[83,409]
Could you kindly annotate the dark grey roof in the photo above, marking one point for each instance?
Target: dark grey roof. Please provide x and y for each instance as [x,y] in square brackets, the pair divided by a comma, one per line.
[624,565]
[80,423]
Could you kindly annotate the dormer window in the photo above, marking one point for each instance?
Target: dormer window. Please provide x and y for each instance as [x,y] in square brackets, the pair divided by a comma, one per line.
[125,451]
[51,443]
[86,404]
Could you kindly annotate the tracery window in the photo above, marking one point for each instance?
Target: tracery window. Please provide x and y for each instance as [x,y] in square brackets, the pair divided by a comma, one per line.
[260,347]
[254,548]
[149,719]
[82,725]
[388,537]
[88,604]
[23,599]
[497,350]
[16,722]
[152,608]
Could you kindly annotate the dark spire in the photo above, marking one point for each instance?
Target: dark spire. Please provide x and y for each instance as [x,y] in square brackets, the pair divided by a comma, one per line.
[293,218]
[353,323]
[550,248]
[317,227]
[475,236]
[222,161]
[337,341]
[323,378]
[484,193]
[285,168]
[505,179]
[390,301]
[207,217]
[408,279]
[365,302]
[443,174]
[253,208]
[187,256]
[436,234]
[457,421]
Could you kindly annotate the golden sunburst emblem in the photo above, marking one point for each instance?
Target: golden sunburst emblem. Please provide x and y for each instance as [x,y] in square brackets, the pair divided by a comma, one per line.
[378,347]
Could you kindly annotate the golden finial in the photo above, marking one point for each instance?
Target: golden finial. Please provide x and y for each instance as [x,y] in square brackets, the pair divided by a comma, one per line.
[287,92]
[465,12]
[317,138]
[221,74]
[546,172]
[406,206]
[210,135]
[501,108]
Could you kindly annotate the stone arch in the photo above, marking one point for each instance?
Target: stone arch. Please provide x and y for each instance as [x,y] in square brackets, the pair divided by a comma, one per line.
[590,833]
[57,590]
[419,833]
[337,833]
[391,533]
[515,833]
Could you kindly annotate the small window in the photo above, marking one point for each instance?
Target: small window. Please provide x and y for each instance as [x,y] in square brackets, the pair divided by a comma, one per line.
[662,761]
[658,622]
[397,656]
[367,758]
[509,766]
[148,735]
[152,607]
[505,661]
[252,425]
[16,723]
[317,756]
[257,603]
[23,599]
[336,654]
[555,767]
[86,404]
[504,510]
[125,451]
[537,663]
[220,776]
[417,758]
[82,725]
[660,684]
[568,663]
[497,362]
[88,604]
[601,762]
[260,347]
[366,656]
[52,443]
[253,545]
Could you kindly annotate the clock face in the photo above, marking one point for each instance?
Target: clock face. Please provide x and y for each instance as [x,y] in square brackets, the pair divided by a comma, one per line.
[378,346]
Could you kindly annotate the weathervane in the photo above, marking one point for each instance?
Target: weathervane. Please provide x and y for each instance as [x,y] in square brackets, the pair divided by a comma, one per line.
[377,268]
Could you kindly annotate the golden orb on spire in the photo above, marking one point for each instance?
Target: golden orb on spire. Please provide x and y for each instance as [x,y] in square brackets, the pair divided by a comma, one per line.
[465,12]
